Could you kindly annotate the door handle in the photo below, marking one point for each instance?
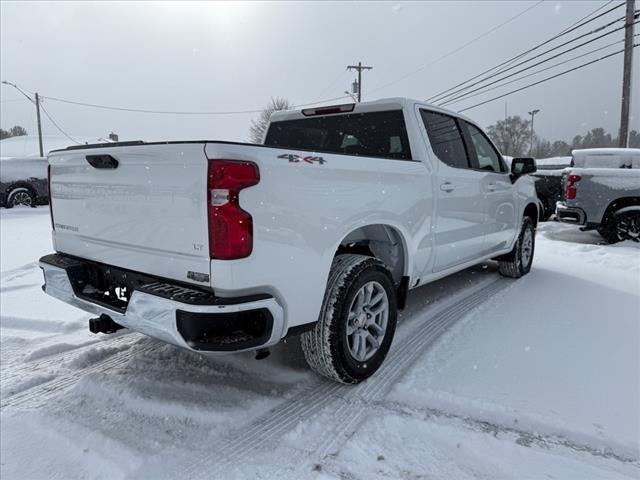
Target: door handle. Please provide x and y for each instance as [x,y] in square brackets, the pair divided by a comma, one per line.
[492,187]
[447,187]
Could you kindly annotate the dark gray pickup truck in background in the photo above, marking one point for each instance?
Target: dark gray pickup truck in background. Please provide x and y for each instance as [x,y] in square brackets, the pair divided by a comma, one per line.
[601,191]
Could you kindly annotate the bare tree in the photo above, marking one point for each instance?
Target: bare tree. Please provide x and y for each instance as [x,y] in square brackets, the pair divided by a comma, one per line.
[259,125]
[542,148]
[560,148]
[15,131]
[512,135]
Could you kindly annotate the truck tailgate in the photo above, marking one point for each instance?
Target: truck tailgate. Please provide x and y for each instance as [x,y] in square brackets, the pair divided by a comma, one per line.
[141,207]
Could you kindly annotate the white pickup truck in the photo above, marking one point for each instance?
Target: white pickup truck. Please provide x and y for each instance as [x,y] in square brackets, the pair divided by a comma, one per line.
[222,247]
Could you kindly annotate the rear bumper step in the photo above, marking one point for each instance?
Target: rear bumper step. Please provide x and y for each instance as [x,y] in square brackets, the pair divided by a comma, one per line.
[189,318]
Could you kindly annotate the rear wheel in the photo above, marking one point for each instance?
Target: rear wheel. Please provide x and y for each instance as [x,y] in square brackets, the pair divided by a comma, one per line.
[20,196]
[357,320]
[621,226]
[518,262]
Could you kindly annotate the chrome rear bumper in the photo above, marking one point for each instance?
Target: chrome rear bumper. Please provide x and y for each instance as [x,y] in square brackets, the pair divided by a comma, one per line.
[207,328]
[567,214]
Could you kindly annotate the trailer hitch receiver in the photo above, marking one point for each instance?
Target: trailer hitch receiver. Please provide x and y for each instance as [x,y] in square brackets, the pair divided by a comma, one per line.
[103,324]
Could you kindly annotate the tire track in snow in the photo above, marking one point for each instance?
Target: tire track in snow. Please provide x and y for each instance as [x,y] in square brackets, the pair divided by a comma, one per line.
[324,394]
[522,437]
[9,275]
[40,394]
[47,362]
[354,412]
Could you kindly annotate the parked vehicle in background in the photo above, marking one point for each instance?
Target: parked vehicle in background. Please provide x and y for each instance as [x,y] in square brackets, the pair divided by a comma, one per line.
[601,191]
[548,178]
[23,173]
[221,247]
[23,181]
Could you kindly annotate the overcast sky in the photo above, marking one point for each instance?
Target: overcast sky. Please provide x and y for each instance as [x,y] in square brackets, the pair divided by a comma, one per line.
[227,57]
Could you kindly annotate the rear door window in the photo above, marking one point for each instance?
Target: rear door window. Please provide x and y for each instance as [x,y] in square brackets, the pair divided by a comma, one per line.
[375,134]
[445,137]
[482,153]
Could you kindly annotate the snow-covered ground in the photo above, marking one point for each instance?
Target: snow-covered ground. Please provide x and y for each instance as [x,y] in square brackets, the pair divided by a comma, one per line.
[487,378]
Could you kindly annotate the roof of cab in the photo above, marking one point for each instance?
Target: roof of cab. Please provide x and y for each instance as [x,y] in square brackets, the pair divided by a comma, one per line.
[393,103]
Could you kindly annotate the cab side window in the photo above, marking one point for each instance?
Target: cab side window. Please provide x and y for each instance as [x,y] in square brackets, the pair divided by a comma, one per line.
[446,139]
[481,152]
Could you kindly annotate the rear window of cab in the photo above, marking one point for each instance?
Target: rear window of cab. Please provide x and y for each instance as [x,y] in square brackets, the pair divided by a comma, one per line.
[374,134]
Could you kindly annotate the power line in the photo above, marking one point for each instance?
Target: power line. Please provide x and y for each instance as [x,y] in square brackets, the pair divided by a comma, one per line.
[545,79]
[503,70]
[167,112]
[482,87]
[58,126]
[587,16]
[468,95]
[574,26]
[456,50]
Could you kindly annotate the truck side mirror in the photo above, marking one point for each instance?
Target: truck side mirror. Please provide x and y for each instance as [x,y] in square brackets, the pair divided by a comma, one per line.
[522,166]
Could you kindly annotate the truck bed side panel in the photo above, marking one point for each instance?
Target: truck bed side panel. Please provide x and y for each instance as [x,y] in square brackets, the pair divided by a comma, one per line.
[302,209]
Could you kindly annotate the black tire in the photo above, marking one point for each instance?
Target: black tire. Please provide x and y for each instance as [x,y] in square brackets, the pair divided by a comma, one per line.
[20,196]
[326,347]
[512,264]
[607,232]
[621,226]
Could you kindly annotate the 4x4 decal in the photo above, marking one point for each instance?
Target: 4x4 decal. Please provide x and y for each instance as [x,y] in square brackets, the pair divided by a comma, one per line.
[298,158]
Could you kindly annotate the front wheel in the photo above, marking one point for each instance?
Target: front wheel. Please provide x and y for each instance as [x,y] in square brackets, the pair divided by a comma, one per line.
[518,262]
[357,320]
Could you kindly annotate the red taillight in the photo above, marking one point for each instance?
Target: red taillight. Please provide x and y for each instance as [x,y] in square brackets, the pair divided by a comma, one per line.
[230,227]
[49,194]
[571,186]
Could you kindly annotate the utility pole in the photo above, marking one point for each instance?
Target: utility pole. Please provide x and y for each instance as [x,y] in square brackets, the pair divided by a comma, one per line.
[39,125]
[623,135]
[36,102]
[533,114]
[359,68]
